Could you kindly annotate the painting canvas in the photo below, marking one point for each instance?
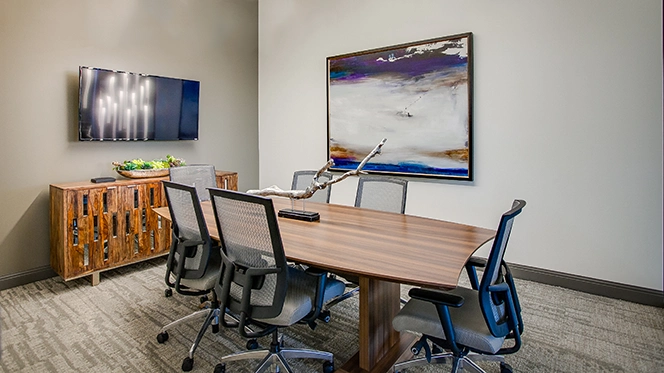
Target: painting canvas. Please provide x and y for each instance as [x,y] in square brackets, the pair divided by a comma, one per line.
[417,95]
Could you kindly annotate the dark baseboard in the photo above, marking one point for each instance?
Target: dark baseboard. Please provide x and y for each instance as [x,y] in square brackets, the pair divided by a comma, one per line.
[590,285]
[26,277]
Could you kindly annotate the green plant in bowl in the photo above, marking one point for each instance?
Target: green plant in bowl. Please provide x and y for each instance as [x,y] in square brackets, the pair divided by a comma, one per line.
[139,164]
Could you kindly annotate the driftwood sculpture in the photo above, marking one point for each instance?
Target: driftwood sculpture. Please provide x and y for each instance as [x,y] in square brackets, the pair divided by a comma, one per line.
[315,184]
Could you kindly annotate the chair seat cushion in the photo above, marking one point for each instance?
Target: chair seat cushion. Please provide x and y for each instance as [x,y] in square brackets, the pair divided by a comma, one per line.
[300,297]
[468,321]
[209,278]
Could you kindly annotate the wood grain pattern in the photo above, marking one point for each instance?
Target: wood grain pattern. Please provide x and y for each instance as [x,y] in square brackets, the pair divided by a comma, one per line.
[383,249]
[95,234]
[227,180]
[57,230]
[379,301]
[392,247]
[121,213]
[398,352]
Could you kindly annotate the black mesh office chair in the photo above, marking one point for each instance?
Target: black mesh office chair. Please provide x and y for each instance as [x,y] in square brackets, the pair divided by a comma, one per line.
[376,193]
[302,179]
[257,284]
[201,176]
[193,261]
[471,324]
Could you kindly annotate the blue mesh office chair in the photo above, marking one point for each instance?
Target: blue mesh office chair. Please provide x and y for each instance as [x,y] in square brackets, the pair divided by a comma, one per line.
[471,324]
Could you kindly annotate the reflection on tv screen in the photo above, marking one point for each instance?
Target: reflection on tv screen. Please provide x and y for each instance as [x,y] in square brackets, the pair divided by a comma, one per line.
[116,105]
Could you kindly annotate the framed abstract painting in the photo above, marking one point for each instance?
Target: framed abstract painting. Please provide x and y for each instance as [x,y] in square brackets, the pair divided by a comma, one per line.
[417,95]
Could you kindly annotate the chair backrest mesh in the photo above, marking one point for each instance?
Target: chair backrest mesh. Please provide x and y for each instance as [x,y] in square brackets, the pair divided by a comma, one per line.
[246,234]
[250,239]
[379,193]
[492,307]
[201,177]
[302,179]
[188,223]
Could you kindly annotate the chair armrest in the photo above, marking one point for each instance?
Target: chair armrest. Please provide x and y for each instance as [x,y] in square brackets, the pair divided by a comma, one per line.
[189,243]
[510,282]
[436,297]
[514,321]
[442,301]
[499,287]
[249,279]
[254,277]
[471,266]
[190,247]
[476,262]
[315,271]
[255,272]
[515,298]
[319,295]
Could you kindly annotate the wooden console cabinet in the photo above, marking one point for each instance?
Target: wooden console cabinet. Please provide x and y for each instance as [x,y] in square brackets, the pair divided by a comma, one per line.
[96,227]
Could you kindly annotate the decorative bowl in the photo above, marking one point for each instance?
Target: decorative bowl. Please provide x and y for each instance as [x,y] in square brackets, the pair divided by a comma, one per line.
[141,174]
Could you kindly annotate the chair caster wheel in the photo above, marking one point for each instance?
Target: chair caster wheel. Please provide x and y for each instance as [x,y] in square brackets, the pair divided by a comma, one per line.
[328,367]
[252,344]
[324,316]
[505,368]
[187,364]
[162,337]
[168,293]
[220,368]
[215,328]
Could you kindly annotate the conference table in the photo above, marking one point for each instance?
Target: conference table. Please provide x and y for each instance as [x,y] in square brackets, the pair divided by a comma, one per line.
[384,250]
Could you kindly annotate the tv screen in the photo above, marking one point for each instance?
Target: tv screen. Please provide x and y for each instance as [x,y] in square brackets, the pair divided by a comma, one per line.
[123,106]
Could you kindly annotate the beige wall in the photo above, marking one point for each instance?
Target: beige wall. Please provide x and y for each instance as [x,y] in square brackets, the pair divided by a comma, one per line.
[567,115]
[568,110]
[42,43]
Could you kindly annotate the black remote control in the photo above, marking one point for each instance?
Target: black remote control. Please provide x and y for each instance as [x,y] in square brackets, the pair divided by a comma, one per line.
[102,179]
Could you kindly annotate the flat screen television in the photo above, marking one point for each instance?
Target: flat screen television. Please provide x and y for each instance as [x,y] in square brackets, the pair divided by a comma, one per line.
[123,106]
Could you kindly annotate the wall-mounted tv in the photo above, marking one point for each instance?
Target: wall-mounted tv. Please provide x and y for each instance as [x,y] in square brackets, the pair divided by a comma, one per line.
[123,106]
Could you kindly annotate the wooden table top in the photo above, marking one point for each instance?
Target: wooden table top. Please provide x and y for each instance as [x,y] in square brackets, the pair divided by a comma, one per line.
[381,245]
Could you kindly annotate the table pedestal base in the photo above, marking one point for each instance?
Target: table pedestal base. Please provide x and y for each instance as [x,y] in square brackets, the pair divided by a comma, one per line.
[380,345]
[398,352]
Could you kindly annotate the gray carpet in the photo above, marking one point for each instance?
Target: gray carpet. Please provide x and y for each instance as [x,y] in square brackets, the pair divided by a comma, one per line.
[57,326]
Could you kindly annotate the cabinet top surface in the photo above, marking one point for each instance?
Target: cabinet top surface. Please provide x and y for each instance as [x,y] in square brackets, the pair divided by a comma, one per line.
[121,181]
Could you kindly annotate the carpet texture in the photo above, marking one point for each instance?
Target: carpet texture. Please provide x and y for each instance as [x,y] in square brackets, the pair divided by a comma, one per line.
[58,326]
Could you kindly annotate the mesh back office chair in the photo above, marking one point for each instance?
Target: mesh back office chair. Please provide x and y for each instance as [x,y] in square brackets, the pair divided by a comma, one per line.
[193,261]
[462,321]
[380,193]
[302,179]
[376,193]
[201,176]
[257,284]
